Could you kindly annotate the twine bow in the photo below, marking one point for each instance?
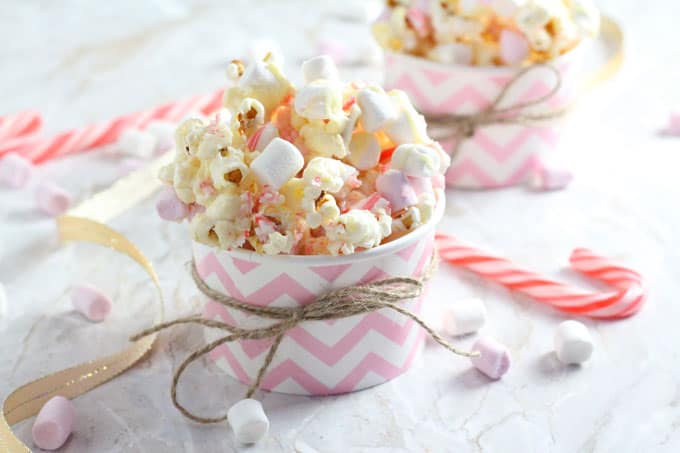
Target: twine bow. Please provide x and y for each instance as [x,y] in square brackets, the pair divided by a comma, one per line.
[336,304]
[464,126]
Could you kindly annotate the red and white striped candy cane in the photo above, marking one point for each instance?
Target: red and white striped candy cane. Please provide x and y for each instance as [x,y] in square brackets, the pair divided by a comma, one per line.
[627,298]
[19,124]
[40,149]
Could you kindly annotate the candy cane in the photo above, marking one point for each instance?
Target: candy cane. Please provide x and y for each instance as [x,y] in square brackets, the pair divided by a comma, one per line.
[40,149]
[19,124]
[624,301]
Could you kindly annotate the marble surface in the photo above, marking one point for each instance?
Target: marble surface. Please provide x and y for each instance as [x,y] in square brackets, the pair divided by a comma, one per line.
[80,61]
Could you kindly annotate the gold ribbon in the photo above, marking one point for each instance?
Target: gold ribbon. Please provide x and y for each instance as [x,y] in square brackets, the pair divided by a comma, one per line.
[83,224]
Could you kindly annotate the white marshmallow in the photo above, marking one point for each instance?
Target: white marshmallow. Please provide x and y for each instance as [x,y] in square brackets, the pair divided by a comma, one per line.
[465,316]
[416,160]
[90,302]
[319,100]
[52,199]
[15,170]
[364,150]
[280,160]
[573,343]
[164,133]
[321,67]
[137,143]
[376,109]
[248,421]
[451,53]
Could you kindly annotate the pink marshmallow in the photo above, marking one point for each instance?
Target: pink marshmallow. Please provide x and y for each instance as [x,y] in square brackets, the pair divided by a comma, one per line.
[171,208]
[548,178]
[54,423]
[420,184]
[52,199]
[419,21]
[91,302]
[15,171]
[494,358]
[514,47]
[395,187]
[673,127]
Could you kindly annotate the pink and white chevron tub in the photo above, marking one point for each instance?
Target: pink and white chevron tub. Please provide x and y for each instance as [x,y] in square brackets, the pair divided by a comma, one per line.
[318,357]
[497,155]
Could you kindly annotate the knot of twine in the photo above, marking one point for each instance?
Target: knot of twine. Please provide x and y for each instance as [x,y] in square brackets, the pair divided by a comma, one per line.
[464,126]
[335,304]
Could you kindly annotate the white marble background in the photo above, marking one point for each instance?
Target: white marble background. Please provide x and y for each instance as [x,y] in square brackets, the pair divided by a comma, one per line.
[79,61]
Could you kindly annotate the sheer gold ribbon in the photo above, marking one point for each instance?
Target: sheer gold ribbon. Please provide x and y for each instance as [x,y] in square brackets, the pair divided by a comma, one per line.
[85,223]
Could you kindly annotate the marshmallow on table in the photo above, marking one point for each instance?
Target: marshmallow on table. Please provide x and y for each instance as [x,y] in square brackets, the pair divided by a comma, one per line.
[54,423]
[169,207]
[376,109]
[494,358]
[248,421]
[280,160]
[321,67]
[15,170]
[550,178]
[514,47]
[90,302]
[573,343]
[164,133]
[137,143]
[394,186]
[364,150]
[416,160]
[51,198]
[463,317]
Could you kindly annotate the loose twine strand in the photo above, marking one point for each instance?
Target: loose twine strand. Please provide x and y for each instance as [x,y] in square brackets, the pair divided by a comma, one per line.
[463,126]
[335,304]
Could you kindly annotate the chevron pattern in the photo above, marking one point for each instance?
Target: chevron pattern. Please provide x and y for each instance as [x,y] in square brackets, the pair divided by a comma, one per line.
[496,156]
[320,357]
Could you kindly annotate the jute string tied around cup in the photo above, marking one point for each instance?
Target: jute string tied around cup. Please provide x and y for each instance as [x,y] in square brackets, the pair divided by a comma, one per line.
[335,304]
[463,126]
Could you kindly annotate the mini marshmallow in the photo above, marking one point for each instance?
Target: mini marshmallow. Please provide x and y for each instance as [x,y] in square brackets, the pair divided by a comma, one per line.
[171,208]
[416,160]
[54,423]
[465,316]
[364,150]
[248,421]
[280,160]
[164,133]
[514,47]
[451,53]
[52,199]
[394,186]
[549,178]
[321,67]
[494,358]
[91,302]
[376,109]
[15,170]
[319,100]
[137,143]
[573,343]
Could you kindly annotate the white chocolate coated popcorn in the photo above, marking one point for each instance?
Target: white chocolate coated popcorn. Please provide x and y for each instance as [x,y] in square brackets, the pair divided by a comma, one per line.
[327,168]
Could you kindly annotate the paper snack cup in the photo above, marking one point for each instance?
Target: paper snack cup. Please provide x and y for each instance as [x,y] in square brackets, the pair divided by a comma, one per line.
[496,155]
[317,357]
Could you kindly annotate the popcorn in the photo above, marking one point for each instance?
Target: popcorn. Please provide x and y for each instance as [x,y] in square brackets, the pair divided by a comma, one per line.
[328,168]
[471,31]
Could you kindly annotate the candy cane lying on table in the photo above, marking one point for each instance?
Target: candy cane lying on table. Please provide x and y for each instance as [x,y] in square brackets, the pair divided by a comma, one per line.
[39,149]
[625,301]
[19,124]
